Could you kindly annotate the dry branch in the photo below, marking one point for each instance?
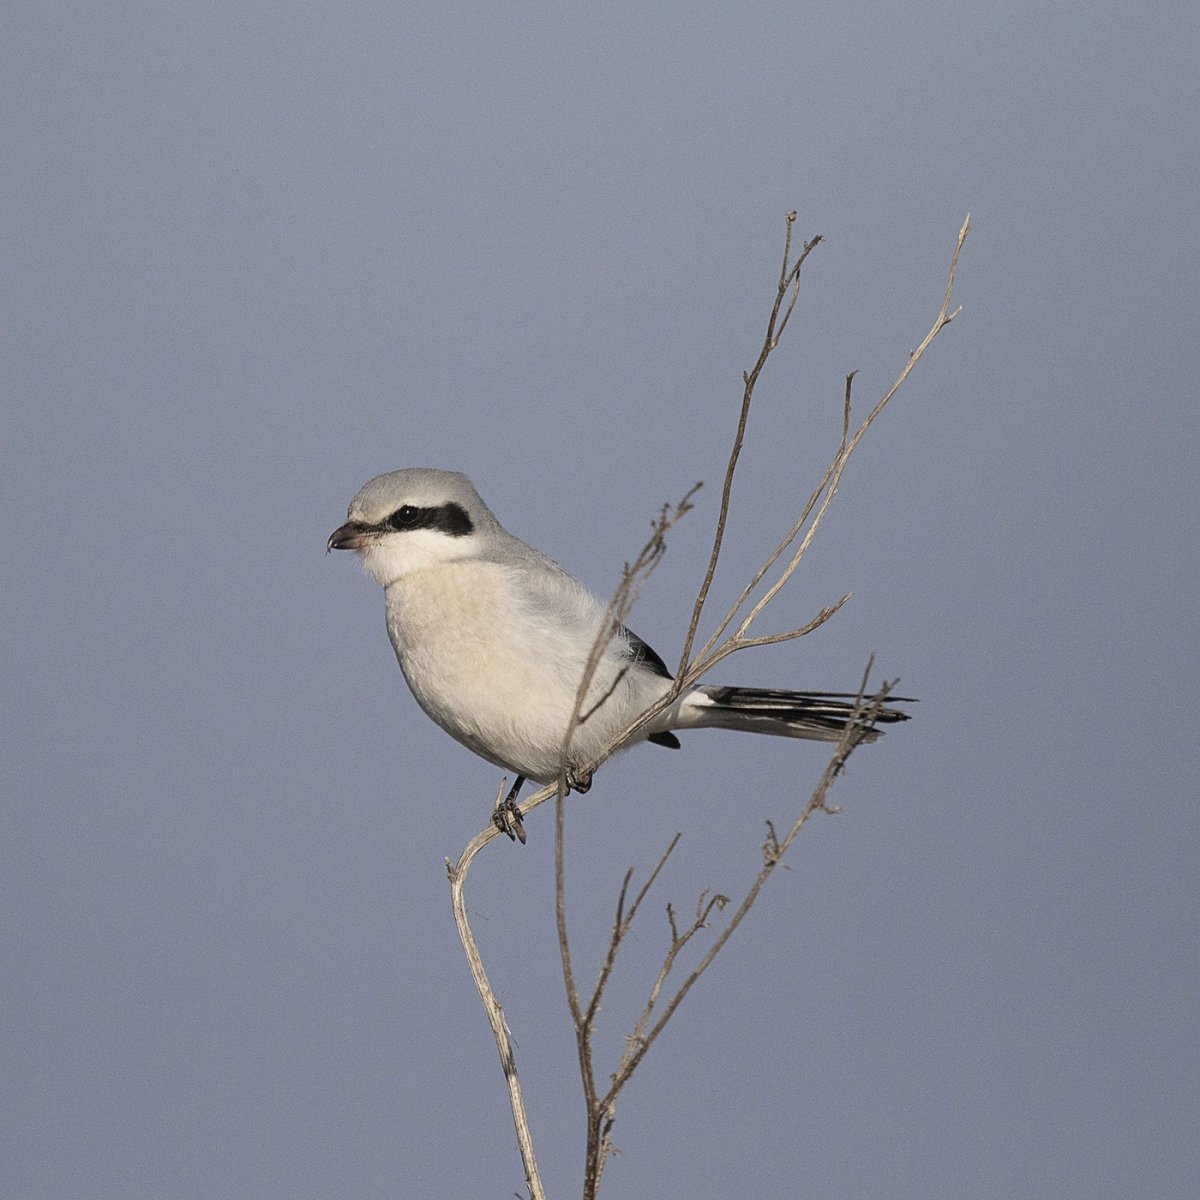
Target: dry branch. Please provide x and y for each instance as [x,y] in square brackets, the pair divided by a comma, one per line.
[656,1013]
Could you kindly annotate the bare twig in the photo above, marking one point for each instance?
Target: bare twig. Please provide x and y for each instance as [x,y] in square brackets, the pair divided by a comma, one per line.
[774,848]
[621,926]
[633,577]
[798,539]
[807,524]
[789,280]
[457,873]
[794,545]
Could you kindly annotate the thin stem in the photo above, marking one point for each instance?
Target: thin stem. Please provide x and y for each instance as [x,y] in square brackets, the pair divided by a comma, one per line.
[457,873]
[789,280]
[774,850]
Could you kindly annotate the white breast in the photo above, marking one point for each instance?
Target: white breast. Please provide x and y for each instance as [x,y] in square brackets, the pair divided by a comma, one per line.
[497,664]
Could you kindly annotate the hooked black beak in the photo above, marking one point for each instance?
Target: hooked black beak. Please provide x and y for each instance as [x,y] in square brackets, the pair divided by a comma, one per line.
[350,536]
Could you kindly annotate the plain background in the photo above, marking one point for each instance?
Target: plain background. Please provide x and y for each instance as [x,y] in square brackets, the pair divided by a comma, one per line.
[255,253]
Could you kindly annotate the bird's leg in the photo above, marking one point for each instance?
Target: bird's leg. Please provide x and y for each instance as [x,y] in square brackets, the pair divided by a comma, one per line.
[578,782]
[507,816]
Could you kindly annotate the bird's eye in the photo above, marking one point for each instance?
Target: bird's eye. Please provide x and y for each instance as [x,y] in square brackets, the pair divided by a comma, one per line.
[405,517]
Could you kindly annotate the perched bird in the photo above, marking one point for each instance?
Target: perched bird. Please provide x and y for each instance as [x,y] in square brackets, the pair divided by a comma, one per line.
[493,638]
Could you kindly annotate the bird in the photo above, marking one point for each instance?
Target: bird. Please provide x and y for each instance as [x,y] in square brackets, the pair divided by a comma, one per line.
[493,638]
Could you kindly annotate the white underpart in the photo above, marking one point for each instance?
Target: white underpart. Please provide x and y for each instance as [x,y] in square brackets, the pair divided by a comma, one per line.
[499,669]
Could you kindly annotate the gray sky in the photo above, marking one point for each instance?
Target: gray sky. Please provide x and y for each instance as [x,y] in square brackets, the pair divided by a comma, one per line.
[256,253]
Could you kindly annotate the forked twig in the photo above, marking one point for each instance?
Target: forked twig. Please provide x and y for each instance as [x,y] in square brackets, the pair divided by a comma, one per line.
[655,1015]
[789,281]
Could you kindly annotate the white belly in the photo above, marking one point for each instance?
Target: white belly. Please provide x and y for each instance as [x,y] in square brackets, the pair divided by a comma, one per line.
[500,675]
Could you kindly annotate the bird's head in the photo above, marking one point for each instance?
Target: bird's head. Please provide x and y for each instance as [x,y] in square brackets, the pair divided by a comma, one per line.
[407,520]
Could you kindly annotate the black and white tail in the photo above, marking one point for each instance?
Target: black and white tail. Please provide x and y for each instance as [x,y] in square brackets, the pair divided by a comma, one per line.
[819,716]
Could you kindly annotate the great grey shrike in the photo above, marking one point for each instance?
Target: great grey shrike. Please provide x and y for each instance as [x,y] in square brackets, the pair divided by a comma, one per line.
[493,636]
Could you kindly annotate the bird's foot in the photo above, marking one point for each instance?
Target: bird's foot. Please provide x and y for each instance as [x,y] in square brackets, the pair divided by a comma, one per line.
[578,781]
[506,816]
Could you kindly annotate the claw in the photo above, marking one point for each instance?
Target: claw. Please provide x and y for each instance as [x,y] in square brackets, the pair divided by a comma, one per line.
[578,782]
[506,816]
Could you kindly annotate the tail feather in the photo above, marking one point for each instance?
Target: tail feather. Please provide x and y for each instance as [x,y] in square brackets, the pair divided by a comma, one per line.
[819,716]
